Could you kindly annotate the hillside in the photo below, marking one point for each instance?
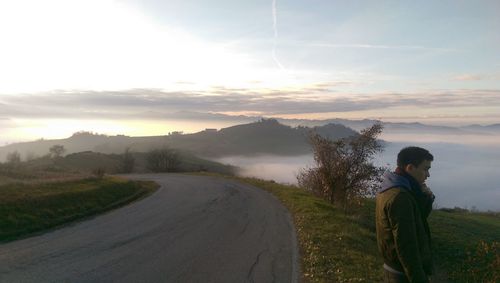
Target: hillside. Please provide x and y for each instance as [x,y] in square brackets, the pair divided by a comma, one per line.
[263,137]
[82,164]
[266,136]
[336,247]
[28,209]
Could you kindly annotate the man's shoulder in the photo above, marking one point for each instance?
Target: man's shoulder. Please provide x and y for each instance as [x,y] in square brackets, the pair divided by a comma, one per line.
[395,191]
[395,201]
[395,194]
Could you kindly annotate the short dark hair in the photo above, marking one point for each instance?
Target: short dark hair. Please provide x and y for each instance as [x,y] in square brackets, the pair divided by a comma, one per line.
[413,155]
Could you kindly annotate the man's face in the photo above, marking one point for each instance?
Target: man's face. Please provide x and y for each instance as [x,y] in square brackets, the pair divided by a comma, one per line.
[420,172]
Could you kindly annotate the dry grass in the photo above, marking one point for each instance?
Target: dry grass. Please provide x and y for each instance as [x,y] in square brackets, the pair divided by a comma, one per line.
[27,208]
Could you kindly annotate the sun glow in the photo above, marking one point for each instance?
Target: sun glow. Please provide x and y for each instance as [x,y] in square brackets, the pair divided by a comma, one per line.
[62,128]
[105,45]
[29,130]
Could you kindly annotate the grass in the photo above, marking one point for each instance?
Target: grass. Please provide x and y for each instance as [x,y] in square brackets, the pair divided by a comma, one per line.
[335,247]
[31,208]
[467,245]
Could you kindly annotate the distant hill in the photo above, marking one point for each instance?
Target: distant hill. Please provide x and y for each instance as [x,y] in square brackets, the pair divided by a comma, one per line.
[266,136]
[398,127]
[390,128]
[495,128]
[84,163]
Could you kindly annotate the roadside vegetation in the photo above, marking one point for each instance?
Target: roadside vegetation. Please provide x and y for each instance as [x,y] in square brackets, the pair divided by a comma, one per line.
[34,207]
[344,173]
[55,165]
[334,246]
[339,247]
[467,244]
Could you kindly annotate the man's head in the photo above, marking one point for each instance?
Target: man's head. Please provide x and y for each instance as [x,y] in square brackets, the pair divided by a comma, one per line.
[415,161]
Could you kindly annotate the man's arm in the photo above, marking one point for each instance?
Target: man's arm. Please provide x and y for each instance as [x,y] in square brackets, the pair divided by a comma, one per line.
[402,220]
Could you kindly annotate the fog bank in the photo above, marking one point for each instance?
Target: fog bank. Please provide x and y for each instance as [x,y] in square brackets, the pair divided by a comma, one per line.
[461,175]
[282,169]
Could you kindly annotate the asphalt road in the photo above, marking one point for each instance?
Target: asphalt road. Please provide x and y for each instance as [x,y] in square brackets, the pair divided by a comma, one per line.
[193,229]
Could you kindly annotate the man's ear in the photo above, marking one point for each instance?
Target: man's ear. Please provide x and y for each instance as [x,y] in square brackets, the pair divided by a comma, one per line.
[409,168]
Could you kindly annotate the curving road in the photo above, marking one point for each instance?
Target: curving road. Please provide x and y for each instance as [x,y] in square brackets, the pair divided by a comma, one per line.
[193,229]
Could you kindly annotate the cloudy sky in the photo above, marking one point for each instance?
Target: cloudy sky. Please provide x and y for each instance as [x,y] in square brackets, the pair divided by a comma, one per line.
[129,66]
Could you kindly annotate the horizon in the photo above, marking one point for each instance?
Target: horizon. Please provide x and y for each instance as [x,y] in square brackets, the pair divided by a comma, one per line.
[138,62]
[470,158]
[239,120]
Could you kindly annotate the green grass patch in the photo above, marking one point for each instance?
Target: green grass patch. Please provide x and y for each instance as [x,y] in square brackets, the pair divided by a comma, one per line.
[333,247]
[336,247]
[467,245]
[30,208]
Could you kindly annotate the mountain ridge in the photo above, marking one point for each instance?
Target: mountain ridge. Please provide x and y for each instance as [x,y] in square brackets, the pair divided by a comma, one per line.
[266,136]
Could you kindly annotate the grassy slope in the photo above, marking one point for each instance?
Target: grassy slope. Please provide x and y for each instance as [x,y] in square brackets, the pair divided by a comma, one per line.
[467,245]
[339,248]
[76,165]
[333,247]
[30,208]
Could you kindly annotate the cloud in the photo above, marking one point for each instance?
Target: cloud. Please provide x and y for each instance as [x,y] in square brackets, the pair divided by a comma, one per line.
[378,46]
[154,103]
[275,29]
[468,77]
[119,48]
[5,124]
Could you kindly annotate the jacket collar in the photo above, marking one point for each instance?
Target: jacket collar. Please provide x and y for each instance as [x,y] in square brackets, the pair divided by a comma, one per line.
[399,178]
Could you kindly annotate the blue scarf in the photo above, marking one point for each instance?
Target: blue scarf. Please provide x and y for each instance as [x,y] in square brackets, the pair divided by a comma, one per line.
[399,178]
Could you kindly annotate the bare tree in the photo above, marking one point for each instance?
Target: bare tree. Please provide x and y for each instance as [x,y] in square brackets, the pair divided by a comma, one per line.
[99,172]
[163,160]
[30,156]
[13,158]
[344,172]
[57,150]
[128,161]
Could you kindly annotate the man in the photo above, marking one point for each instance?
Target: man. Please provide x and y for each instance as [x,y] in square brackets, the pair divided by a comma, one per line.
[402,207]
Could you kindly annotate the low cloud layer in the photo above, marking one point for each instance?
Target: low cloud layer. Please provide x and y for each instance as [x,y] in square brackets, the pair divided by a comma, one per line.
[151,103]
[468,77]
[461,175]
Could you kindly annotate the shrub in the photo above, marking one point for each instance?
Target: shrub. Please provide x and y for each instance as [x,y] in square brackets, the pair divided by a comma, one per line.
[13,157]
[482,263]
[99,172]
[163,160]
[57,150]
[344,172]
[128,161]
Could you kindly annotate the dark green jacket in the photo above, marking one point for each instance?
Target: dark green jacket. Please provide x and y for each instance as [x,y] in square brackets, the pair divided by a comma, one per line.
[403,234]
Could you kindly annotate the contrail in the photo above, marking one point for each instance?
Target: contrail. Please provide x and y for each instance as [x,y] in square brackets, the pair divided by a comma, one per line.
[275,36]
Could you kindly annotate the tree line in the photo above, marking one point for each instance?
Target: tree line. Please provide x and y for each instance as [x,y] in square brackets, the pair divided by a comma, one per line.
[163,159]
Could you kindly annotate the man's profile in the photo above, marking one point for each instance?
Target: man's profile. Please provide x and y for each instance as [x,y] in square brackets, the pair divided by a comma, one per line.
[402,206]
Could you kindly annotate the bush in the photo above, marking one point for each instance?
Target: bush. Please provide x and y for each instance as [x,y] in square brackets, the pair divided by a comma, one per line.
[57,150]
[163,160]
[483,263]
[99,173]
[13,158]
[344,172]
[128,161]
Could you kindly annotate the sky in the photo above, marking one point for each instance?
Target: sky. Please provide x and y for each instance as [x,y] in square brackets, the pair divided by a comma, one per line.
[129,67]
